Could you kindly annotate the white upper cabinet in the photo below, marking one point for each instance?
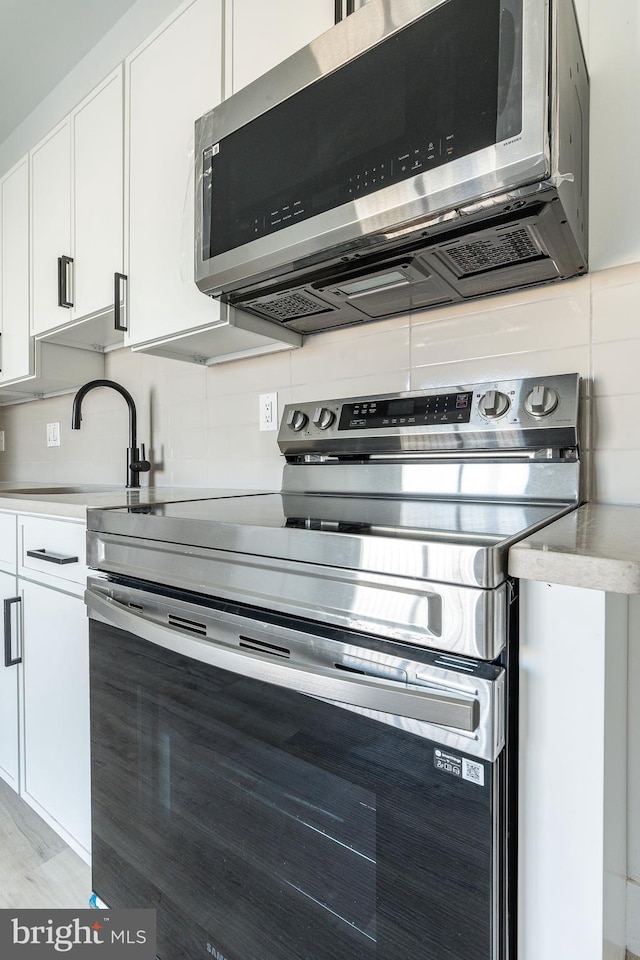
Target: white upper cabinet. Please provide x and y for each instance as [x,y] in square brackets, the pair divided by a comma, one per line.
[172,79]
[14,273]
[77,217]
[262,35]
[50,225]
[98,207]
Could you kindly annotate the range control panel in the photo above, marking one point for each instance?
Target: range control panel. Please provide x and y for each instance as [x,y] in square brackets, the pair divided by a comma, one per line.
[508,414]
[406,411]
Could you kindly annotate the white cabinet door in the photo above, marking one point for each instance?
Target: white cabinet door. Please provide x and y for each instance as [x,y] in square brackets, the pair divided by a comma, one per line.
[56,709]
[98,195]
[14,273]
[10,674]
[265,34]
[50,225]
[173,79]
[77,210]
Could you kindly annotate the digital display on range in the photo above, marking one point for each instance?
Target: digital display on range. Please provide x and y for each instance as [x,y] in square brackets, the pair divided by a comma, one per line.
[406,412]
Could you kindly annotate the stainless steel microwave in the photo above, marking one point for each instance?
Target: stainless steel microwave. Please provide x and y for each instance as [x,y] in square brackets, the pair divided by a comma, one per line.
[419,153]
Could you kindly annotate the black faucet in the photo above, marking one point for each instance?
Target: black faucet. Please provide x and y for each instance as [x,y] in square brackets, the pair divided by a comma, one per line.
[136,463]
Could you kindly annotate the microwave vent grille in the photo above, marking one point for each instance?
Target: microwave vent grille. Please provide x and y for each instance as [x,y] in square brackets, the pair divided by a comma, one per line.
[290,307]
[486,253]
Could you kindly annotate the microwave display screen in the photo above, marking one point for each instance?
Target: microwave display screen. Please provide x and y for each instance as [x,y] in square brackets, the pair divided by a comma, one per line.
[443,87]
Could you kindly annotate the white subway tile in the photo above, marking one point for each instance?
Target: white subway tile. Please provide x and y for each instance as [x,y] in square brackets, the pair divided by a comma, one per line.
[246,473]
[259,374]
[615,312]
[616,368]
[515,328]
[242,408]
[615,276]
[616,476]
[189,473]
[615,423]
[351,356]
[534,364]
[394,381]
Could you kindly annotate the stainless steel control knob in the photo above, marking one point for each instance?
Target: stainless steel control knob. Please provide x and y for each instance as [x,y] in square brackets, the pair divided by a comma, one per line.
[297,420]
[541,401]
[493,404]
[323,418]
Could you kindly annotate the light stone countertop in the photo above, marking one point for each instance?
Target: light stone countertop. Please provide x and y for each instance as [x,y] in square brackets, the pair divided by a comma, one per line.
[597,547]
[75,501]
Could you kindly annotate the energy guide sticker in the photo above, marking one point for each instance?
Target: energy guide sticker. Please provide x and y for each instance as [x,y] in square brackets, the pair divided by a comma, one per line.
[470,770]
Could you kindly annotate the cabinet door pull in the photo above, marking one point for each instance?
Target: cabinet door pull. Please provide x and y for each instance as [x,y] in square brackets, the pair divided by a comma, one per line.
[65,282]
[9,661]
[119,303]
[50,557]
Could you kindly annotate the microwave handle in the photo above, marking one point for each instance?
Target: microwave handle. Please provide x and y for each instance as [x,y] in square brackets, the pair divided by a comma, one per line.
[385,696]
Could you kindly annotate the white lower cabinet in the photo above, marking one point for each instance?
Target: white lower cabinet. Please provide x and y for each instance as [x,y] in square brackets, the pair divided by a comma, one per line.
[44,696]
[56,710]
[10,681]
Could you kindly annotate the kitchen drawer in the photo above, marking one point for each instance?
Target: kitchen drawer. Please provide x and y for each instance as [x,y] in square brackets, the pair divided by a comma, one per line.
[8,535]
[52,552]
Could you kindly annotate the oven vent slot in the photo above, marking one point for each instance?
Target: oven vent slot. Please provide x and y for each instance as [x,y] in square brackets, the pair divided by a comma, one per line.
[191,625]
[261,646]
[136,606]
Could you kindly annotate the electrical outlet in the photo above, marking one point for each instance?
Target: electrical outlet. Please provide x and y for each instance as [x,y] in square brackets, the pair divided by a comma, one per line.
[53,434]
[268,411]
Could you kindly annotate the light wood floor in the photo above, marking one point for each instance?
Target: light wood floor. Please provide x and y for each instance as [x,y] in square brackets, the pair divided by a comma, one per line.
[37,868]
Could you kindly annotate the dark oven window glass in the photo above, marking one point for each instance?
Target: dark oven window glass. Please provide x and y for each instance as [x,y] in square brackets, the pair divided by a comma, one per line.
[441,88]
[261,823]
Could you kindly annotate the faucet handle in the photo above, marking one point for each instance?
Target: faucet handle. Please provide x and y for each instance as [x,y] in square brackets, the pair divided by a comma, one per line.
[142,465]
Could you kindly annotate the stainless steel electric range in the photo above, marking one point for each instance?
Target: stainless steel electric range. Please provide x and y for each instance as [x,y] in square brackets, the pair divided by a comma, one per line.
[304,704]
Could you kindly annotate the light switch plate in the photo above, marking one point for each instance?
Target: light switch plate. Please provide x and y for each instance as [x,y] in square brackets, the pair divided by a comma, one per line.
[53,434]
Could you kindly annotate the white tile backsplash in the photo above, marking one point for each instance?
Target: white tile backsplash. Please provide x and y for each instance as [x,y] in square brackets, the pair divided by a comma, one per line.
[201,424]
[502,367]
[616,367]
[512,326]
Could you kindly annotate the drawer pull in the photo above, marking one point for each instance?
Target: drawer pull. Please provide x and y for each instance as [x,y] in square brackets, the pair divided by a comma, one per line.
[51,557]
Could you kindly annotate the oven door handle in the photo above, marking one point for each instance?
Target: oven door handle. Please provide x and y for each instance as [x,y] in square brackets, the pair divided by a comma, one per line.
[445,708]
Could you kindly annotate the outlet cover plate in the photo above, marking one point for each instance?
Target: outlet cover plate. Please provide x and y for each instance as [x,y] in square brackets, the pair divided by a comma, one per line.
[268,411]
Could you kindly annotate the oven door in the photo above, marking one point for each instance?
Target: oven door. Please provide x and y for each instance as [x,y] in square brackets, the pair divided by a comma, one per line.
[284,791]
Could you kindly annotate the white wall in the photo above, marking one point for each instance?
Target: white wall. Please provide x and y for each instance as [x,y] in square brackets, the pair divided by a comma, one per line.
[202,424]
